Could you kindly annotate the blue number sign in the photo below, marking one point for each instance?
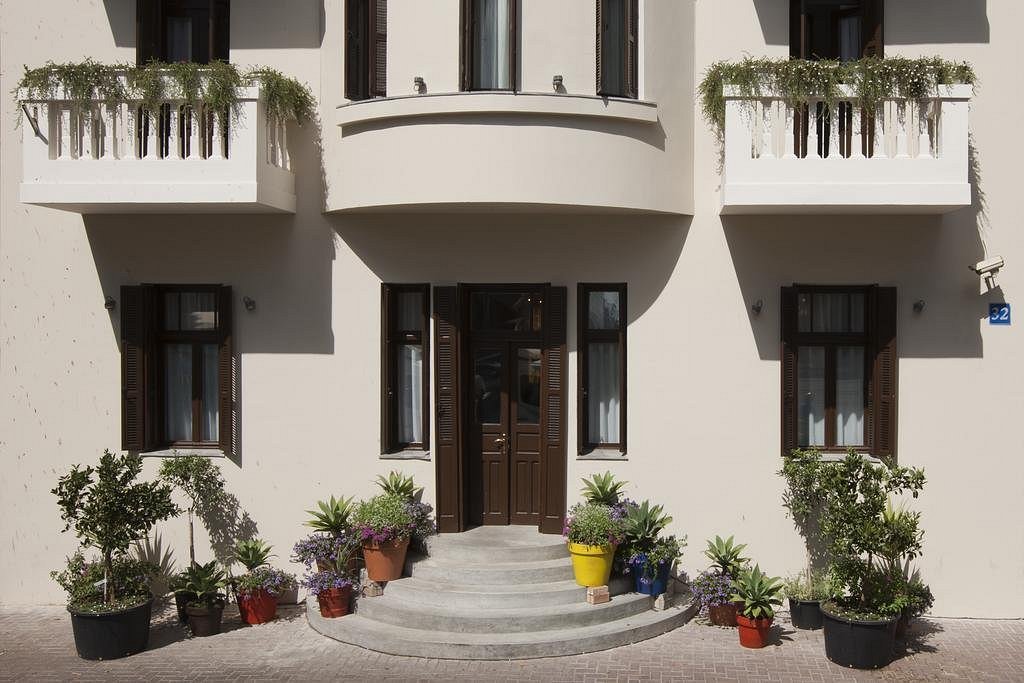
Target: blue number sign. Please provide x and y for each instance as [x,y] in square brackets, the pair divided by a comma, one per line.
[999,314]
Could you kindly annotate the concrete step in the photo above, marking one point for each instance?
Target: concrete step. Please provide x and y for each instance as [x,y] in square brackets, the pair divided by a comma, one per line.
[457,572]
[359,630]
[395,610]
[486,545]
[444,594]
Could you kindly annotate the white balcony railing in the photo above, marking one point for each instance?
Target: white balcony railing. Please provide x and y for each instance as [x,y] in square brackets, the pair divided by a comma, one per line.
[106,158]
[907,156]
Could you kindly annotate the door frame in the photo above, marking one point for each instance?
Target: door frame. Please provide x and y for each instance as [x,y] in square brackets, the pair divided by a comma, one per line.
[452,349]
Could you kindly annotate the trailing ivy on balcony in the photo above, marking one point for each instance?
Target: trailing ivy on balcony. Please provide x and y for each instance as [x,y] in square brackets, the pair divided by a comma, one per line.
[799,81]
[214,86]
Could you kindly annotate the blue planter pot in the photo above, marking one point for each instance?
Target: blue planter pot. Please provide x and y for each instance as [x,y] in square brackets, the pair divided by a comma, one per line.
[653,586]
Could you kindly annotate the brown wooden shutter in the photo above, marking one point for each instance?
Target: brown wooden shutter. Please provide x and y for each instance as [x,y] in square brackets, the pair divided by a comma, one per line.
[446,399]
[138,420]
[872,24]
[788,309]
[379,51]
[632,48]
[147,31]
[466,18]
[387,390]
[582,376]
[553,466]
[599,42]
[357,50]
[884,375]
[513,45]
[226,376]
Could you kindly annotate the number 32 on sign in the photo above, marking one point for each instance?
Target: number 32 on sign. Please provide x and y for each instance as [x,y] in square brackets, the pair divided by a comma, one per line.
[999,314]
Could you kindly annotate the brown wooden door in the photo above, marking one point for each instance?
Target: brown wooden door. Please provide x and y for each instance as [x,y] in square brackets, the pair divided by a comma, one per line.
[505,436]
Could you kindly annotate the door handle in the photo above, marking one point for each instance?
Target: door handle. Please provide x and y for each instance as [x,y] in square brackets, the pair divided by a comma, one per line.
[500,439]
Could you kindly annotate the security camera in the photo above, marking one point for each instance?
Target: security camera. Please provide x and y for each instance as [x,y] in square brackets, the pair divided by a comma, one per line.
[988,266]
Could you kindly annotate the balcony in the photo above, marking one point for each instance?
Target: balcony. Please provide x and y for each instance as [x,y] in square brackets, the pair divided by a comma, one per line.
[114,158]
[906,157]
[468,151]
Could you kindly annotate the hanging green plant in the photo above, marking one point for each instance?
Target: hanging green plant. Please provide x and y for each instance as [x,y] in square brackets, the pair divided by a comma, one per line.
[285,97]
[797,81]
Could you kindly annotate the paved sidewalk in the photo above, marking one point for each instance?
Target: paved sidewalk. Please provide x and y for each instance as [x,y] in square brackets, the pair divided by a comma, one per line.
[37,645]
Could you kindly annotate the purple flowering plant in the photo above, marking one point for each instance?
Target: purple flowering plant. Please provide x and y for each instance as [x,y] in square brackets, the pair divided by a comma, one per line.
[712,589]
[319,546]
[592,524]
[269,579]
[322,581]
[385,517]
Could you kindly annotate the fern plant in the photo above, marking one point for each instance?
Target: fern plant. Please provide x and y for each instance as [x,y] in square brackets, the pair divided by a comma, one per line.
[603,489]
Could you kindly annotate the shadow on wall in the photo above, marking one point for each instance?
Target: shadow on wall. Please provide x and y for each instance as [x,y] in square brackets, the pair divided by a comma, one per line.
[907,22]
[641,250]
[255,24]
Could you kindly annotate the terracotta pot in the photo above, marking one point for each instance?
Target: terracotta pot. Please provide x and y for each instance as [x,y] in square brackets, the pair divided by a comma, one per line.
[257,607]
[722,615]
[753,632]
[385,561]
[334,602]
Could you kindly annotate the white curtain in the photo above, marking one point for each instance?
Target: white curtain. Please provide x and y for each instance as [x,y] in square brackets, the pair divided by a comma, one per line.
[604,394]
[211,408]
[179,39]
[178,396]
[492,50]
[811,396]
[850,396]
[410,393]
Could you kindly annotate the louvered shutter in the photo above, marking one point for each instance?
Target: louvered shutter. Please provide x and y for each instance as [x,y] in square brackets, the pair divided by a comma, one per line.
[357,67]
[632,48]
[872,27]
[446,399]
[147,31]
[553,421]
[788,357]
[379,52]
[466,19]
[137,423]
[387,375]
[599,41]
[226,377]
[885,375]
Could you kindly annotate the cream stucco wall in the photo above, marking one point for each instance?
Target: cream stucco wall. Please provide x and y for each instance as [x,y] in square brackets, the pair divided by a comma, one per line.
[703,390]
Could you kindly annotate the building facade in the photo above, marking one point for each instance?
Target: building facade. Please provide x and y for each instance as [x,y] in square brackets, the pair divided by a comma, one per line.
[511,253]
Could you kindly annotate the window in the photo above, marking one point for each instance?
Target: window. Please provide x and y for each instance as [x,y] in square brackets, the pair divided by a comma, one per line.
[836,29]
[366,49]
[177,367]
[839,376]
[617,22]
[489,44]
[405,368]
[182,30]
[601,311]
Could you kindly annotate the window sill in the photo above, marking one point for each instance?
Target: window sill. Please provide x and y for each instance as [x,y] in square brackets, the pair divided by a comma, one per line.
[603,454]
[839,457]
[406,455]
[182,452]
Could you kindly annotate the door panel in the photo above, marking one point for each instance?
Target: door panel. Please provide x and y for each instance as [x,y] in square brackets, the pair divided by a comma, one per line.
[525,440]
[489,424]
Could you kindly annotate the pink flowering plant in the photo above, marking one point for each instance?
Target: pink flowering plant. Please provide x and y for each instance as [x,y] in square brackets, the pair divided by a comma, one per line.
[592,524]
[384,518]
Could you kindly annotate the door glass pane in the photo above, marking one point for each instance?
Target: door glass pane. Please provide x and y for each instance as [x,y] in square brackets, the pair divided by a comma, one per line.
[613,47]
[410,311]
[850,396]
[837,312]
[178,391]
[603,310]
[488,368]
[179,39]
[604,393]
[810,388]
[491,68]
[410,393]
[505,311]
[211,405]
[198,311]
[528,387]
[172,312]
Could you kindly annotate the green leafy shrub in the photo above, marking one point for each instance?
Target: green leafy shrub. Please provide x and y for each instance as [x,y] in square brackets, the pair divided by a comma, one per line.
[383,518]
[799,587]
[592,524]
[84,583]
[201,481]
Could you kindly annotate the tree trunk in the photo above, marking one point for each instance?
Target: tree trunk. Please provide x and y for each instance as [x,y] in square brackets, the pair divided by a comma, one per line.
[108,572]
[191,540]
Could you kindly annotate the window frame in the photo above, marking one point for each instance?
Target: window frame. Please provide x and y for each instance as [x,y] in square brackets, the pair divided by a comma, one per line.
[151,31]
[467,20]
[391,339]
[585,337]
[872,29]
[630,87]
[361,76]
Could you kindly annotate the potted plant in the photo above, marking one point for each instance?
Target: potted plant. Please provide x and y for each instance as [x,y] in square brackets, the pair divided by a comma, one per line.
[200,480]
[712,592]
[756,595]
[332,517]
[592,533]
[206,611]
[860,624]
[805,598]
[650,558]
[384,525]
[603,489]
[727,560]
[109,510]
[332,586]
[181,595]
[259,588]
[398,484]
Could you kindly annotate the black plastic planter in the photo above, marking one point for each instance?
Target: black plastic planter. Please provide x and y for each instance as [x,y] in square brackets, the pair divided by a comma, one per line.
[181,599]
[805,614]
[205,621]
[111,635]
[858,644]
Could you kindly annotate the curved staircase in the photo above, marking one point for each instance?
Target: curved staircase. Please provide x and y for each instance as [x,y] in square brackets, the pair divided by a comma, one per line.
[497,593]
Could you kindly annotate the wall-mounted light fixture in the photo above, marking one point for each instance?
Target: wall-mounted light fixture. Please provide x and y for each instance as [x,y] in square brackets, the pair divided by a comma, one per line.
[250,304]
[109,303]
[419,86]
[556,83]
[918,305]
[757,307]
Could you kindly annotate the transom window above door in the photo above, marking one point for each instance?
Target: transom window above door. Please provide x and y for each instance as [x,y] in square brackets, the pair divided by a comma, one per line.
[492,310]
[836,29]
[183,31]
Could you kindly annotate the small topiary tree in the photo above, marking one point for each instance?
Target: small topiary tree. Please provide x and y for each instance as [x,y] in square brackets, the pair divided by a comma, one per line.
[109,510]
[201,482]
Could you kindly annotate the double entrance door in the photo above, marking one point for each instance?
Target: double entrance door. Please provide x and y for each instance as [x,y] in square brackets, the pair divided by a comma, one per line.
[504,437]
